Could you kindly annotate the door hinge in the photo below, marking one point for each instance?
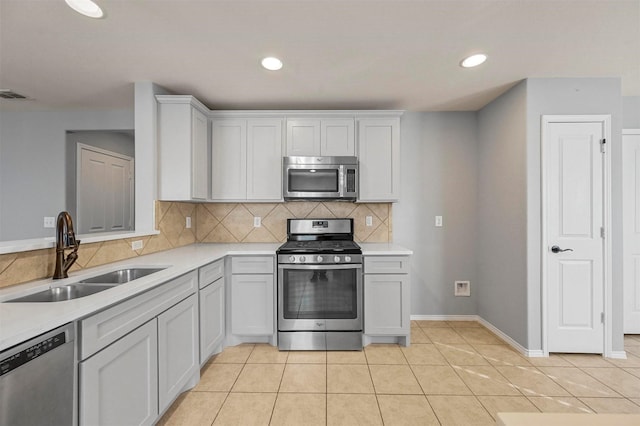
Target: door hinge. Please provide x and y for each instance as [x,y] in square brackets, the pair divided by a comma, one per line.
[602,232]
[602,317]
[603,143]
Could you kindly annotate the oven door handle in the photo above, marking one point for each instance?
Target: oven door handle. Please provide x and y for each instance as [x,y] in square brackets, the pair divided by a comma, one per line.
[321,267]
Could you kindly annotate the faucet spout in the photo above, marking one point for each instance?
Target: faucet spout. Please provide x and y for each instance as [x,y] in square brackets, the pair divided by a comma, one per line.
[65,239]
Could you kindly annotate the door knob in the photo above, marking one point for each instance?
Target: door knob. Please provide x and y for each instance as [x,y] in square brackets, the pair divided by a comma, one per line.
[557,249]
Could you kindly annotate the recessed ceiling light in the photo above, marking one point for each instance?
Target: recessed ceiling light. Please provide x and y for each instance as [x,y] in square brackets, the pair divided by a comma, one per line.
[272,64]
[86,8]
[473,60]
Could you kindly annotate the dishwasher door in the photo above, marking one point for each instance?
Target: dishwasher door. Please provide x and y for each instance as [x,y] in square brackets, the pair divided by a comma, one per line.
[37,380]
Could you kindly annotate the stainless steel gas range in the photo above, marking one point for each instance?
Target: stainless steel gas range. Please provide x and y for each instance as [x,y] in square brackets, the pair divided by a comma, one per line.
[320,286]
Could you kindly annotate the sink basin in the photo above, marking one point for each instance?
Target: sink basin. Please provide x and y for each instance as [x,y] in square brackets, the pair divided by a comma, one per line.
[122,276]
[65,292]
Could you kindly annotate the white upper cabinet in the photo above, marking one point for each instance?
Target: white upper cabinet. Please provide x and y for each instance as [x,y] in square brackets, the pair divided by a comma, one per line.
[183,144]
[264,159]
[379,159]
[315,137]
[246,159]
[303,137]
[228,159]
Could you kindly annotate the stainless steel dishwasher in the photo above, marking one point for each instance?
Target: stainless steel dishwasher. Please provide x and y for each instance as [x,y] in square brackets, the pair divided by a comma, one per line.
[37,380]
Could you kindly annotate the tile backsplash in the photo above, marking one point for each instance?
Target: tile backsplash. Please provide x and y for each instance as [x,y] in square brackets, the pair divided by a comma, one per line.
[230,223]
[211,222]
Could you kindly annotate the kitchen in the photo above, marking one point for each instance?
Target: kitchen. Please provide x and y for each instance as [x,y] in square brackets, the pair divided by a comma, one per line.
[445,158]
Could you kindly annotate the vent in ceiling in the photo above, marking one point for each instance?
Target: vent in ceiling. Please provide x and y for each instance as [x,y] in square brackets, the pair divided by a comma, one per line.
[9,94]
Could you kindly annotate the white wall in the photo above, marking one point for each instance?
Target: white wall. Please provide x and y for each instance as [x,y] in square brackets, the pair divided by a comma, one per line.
[631,112]
[438,173]
[501,249]
[551,96]
[33,164]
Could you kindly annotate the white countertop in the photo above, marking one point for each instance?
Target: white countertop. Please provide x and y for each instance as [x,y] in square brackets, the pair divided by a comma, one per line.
[22,321]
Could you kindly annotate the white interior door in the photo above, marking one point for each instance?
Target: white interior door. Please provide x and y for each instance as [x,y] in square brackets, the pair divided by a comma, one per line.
[105,191]
[631,226]
[573,167]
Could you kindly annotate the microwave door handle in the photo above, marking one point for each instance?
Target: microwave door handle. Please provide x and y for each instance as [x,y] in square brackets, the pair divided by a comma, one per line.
[341,181]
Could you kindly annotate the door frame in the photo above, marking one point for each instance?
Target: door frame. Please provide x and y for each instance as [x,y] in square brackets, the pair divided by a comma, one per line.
[625,237]
[79,147]
[607,348]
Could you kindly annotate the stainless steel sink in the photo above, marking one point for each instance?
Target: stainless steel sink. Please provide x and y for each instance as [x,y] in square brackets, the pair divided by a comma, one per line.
[122,276]
[65,292]
[88,286]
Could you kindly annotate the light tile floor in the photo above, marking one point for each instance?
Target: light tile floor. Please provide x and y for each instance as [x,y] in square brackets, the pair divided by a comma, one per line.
[454,373]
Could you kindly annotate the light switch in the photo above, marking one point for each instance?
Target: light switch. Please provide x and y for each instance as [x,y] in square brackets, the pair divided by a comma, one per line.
[438,221]
[188,224]
[368,221]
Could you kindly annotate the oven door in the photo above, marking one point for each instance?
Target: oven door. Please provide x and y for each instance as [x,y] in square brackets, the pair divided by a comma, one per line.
[320,297]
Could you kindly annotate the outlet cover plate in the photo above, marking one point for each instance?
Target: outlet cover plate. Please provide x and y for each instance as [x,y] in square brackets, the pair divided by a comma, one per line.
[462,288]
[136,245]
[257,222]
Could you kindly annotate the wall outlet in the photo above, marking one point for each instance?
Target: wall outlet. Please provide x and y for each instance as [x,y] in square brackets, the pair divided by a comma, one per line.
[462,288]
[136,245]
[368,221]
[438,221]
[257,222]
[49,222]
[188,224]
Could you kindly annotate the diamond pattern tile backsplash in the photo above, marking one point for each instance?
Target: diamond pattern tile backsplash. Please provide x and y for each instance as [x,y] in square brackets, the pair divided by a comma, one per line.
[211,223]
[231,223]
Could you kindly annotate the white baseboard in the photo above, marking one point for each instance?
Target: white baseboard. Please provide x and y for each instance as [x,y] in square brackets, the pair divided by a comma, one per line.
[532,353]
[444,318]
[618,355]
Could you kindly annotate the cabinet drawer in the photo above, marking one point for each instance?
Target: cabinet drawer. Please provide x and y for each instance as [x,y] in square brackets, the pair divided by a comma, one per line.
[211,272]
[106,327]
[386,264]
[252,265]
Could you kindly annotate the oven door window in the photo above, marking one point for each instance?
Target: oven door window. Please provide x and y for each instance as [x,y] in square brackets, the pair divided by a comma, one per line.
[320,294]
[315,180]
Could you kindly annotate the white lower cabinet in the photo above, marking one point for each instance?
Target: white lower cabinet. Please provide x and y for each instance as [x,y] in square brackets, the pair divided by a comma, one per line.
[252,299]
[138,355]
[178,355]
[119,385]
[387,300]
[212,324]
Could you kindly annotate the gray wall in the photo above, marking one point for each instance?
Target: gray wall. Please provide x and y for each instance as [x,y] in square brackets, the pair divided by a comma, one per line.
[501,218]
[438,172]
[118,141]
[631,112]
[572,96]
[33,164]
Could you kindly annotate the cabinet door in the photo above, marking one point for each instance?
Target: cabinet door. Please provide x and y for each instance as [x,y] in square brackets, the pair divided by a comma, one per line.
[228,159]
[252,305]
[337,137]
[264,159]
[386,304]
[379,159]
[303,137]
[119,385]
[199,156]
[178,357]
[211,318]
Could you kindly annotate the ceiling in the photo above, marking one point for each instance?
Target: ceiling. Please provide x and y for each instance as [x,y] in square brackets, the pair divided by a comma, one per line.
[337,54]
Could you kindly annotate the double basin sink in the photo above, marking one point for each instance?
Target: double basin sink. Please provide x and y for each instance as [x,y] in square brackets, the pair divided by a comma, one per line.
[88,286]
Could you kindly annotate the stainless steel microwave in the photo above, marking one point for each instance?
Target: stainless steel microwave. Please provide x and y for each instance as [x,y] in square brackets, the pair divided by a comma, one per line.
[320,178]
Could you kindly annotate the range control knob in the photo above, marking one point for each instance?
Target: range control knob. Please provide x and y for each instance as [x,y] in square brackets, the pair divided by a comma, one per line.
[292,259]
[302,259]
[320,259]
[336,259]
[347,258]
